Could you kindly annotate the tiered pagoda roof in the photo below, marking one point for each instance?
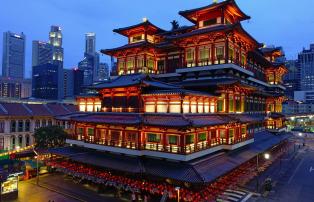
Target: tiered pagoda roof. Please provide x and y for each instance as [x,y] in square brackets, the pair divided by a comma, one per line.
[228,7]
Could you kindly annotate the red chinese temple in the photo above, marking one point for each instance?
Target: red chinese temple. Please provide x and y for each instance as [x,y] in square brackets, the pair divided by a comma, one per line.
[184,94]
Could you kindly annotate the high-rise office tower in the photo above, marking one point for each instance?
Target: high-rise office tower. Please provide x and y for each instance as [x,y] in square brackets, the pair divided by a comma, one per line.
[90,43]
[68,86]
[42,53]
[55,39]
[306,62]
[13,59]
[47,82]
[90,64]
[103,72]
[292,79]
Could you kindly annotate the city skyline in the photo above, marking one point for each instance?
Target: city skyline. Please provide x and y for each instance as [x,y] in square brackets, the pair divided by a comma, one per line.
[96,16]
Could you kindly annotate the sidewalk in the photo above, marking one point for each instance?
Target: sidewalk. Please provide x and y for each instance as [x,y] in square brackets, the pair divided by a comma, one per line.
[278,172]
[275,171]
[28,192]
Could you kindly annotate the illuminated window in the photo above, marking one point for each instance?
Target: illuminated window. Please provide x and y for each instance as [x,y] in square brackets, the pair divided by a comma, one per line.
[137,38]
[175,107]
[231,53]
[238,103]
[207,108]
[202,137]
[193,106]
[150,107]
[82,107]
[212,107]
[190,57]
[90,131]
[186,107]
[231,103]
[189,139]
[152,137]
[161,107]
[219,52]
[173,139]
[200,107]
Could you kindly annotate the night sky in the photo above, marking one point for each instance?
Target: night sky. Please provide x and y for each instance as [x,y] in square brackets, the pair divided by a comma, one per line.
[287,23]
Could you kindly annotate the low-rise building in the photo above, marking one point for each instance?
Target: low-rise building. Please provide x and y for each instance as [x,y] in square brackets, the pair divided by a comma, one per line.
[18,122]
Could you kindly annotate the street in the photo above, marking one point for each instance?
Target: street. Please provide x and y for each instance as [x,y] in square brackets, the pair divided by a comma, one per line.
[59,188]
[297,183]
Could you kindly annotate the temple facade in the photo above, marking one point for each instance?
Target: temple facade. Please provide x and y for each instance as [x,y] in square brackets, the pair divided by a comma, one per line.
[184,93]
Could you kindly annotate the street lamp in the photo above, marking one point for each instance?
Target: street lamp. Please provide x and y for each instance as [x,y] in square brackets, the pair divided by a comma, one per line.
[37,169]
[178,192]
[266,156]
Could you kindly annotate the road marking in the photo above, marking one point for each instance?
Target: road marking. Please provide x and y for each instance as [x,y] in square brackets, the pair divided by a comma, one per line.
[311,169]
[295,171]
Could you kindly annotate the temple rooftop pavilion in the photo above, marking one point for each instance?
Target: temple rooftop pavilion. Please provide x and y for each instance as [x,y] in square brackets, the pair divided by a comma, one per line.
[185,94]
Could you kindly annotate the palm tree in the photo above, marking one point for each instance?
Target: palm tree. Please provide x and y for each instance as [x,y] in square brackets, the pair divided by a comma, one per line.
[49,137]
[175,24]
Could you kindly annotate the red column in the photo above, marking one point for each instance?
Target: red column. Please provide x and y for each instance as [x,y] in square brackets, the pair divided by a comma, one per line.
[182,143]
[226,50]
[213,53]
[227,102]
[123,138]
[164,141]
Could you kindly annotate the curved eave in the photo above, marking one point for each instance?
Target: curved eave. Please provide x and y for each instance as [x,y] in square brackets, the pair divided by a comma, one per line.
[242,16]
[112,51]
[241,29]
[123,31]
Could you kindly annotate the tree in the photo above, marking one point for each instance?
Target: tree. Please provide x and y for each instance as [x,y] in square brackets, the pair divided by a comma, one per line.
[175,24]
[49,137]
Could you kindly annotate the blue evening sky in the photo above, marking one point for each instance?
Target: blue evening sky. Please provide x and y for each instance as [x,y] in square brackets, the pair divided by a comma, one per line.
[288,23]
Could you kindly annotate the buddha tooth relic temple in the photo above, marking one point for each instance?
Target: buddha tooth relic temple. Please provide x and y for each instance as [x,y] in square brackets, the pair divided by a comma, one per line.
[182,97]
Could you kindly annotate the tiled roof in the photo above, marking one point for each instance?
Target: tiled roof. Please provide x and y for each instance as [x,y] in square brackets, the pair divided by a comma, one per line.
[134,79]
[177,91]
[127,46]
[209,120]
[212,6]
[22,109]
[16,109]
[167,120]
[202,31]
[205,169]
[39,109]
[142,24]
[58,109]
[109,118]
[161,119]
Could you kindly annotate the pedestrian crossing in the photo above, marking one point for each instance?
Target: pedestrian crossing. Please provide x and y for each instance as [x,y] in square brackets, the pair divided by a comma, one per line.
[230,195]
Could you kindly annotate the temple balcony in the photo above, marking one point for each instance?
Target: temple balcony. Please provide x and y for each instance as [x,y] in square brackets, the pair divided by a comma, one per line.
[160,150]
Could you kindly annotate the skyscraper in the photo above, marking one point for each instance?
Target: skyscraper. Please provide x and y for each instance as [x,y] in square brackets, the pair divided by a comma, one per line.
[103,71]
[90,43]
[78,77]
[55,39]
[13,60]
[47,62]
[306,61]
[292,79]
[68,79]
[47,82]
[42,53]
[90,64]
